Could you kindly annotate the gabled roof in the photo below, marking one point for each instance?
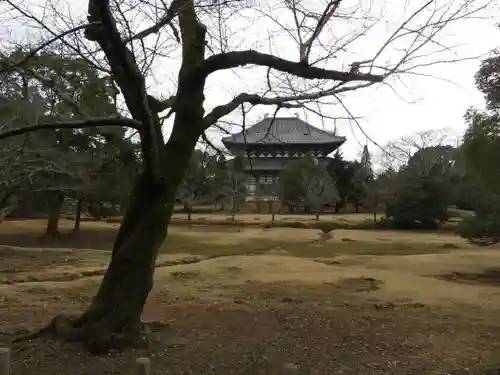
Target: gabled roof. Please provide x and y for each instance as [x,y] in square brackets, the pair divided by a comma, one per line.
[283,130]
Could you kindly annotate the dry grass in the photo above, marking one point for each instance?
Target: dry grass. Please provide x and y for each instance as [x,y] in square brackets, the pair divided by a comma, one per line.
[252,218]
[252,300]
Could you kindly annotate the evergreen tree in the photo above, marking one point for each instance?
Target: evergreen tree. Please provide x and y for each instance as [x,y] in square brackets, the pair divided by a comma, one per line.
[366,164]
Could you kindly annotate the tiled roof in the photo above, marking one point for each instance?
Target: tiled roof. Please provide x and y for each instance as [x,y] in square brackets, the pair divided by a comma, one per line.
[283,130]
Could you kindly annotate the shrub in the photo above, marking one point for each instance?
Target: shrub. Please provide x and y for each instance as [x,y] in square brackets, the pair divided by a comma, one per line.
[481,229]
[325,227]
[296,224]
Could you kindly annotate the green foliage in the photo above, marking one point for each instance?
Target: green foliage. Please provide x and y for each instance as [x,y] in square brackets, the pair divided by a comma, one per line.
[479,155]
[358,187]
[211,179]
[339,171]
[488,81]
[480,151]
[305,184]
[98,164]
[481,147]
[482,228]
[366,165]
[352,179]
[421,191]
[193,188]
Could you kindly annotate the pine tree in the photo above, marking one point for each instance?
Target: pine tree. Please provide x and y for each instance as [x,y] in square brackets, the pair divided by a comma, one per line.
[366,164]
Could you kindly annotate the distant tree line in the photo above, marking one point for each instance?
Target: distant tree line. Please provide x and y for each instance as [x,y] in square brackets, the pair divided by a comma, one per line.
[413,190]
[91,170]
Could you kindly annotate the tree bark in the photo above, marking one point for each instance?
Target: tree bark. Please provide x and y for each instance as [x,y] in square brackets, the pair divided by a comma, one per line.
[188,207]
[78,215]
[113,319]
[233,203]
[56,201]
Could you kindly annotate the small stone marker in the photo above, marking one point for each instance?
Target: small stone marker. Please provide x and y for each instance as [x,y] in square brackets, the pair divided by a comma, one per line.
[4,361]
[143,366]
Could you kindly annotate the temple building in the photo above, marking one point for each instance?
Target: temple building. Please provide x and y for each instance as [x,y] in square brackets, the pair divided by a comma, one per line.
[271,144]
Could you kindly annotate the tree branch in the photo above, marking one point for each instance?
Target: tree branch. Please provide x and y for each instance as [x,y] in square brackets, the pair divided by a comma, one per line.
[172,11]
[33,52]
[128,77]
[305,47]
[235,59]
[282,101]
[76,124]
[157,106]
[254,99]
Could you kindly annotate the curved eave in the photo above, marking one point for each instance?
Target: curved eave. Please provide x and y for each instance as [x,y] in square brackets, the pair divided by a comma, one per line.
[229,142]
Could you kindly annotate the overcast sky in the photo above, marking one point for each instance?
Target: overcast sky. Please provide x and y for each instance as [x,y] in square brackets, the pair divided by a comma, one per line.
[436,98]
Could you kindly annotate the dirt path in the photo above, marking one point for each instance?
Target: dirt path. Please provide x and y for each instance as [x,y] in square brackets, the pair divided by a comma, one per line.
[275,328]
[320,312]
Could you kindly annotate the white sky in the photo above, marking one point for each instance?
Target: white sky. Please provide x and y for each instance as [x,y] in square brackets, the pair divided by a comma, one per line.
[413,104]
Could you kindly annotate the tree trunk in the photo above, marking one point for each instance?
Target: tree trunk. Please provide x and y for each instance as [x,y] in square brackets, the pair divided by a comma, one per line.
[113,319]
[189,209]
[233,211]
[78,215]
[233,203]
[56,201]
[271,210]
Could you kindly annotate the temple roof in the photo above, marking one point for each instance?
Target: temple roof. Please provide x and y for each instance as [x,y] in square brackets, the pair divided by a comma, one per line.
[283,130]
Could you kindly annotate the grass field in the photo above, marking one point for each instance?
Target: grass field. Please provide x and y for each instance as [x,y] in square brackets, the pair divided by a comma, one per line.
[268,301]
[249,217]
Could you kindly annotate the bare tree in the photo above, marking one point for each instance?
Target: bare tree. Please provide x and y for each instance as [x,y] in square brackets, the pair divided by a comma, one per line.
[212,37]
[398,152]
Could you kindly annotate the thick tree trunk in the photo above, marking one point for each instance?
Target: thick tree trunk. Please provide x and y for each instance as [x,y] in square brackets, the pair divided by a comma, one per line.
[113,319]
[78,215]
[56,201]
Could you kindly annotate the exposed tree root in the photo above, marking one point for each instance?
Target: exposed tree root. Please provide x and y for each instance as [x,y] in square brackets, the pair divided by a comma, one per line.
[98,336]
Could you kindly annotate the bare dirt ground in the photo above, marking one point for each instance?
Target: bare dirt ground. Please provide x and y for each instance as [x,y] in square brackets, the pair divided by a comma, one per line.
[267,301]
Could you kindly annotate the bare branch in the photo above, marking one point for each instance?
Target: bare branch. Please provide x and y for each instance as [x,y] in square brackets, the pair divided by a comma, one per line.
[128,77]
[305,47]
[49,29]
[172,11]
[283,102]
[235,59]
[33,52]
[75,124]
